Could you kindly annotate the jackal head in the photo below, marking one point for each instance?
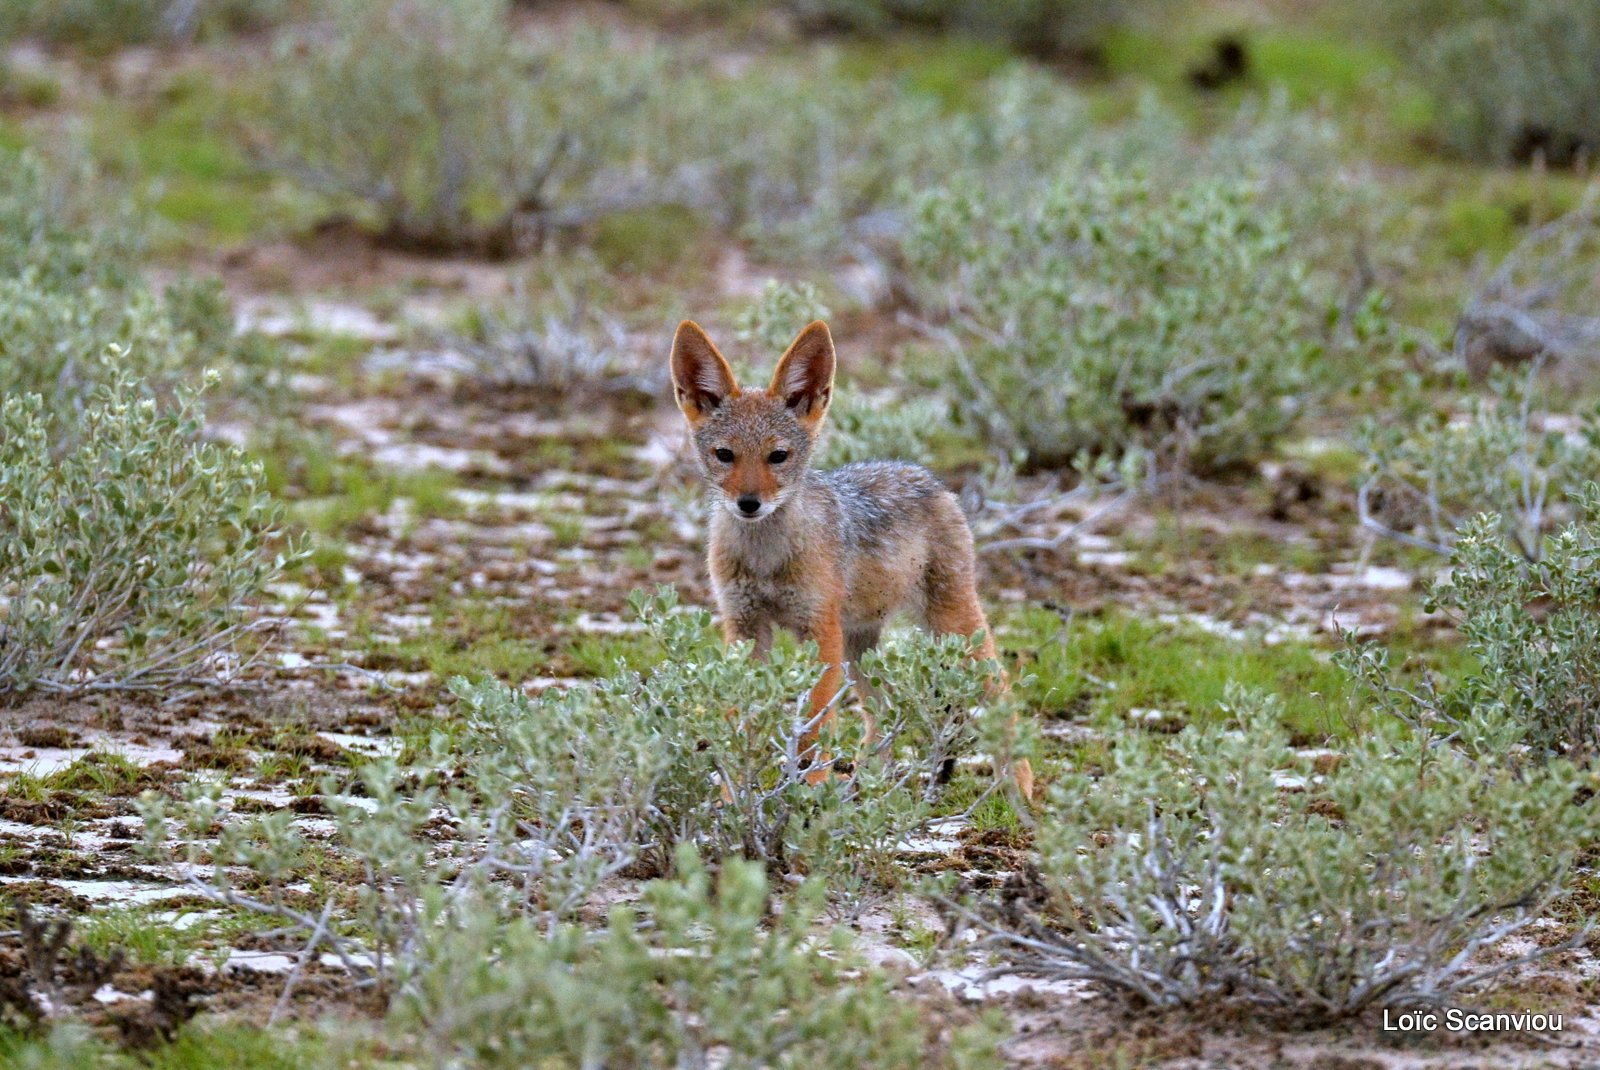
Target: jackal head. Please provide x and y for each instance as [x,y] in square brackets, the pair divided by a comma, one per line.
[753,446]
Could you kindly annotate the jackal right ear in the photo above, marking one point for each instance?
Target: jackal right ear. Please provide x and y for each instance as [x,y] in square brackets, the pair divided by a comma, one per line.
[701,378]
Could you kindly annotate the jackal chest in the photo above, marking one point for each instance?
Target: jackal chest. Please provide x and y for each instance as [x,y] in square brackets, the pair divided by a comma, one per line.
[761,583]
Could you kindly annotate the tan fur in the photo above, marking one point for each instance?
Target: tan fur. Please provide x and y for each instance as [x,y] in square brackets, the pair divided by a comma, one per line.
[828,555]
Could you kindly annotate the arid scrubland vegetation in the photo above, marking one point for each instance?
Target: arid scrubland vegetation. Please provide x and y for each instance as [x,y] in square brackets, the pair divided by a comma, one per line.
[359,705]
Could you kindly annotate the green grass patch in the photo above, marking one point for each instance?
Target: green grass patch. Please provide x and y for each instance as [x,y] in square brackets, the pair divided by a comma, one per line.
[140,934]
[1107,667]
[330,494]
[466,637]
[951,69]
[597,654]
[203,182]
[102,771]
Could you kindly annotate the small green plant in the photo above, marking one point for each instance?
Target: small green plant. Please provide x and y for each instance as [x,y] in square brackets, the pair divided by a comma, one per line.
[129,559]
[1218,866]
[770,322]
[1101,314]
[52,341]
[736,731]
[56,223]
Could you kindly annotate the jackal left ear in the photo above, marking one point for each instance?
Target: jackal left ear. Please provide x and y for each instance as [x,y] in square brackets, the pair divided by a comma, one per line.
[804,379]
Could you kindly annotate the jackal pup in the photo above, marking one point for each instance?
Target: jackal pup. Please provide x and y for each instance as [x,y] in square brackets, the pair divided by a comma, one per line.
[828,555]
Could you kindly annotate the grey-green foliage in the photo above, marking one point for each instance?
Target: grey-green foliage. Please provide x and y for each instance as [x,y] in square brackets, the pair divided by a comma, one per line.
[735,729]
[1218,866]
[453,134]
[1514,79]
[68,288]
[1102,313]
[554,334]
[811,159]
[918,429]
[799,160]
[1429,474]
[52,341]
[128,557]
[58,223]
[550,795]
[706,973]
[1532,630]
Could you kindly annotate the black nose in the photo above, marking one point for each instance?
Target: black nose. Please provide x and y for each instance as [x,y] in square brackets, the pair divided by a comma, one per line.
[749,505]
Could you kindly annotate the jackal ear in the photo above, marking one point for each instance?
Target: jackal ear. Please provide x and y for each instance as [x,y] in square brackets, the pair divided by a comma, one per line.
[701,378]
[804,379]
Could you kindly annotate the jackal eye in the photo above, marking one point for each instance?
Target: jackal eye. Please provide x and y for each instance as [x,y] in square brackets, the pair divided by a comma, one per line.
[777,456]
[724,455]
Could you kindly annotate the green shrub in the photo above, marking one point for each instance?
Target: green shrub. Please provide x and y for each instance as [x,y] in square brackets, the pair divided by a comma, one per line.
[699,978]
[546,797]
[129,556]
[60,225]
[1217,866]
[52,341]
[1531,628]
[771,321]
[1101,314]
[734,727]
[796,157]
[452,134]
[1514,79]
[69,246]
[557,339]
[1429,474]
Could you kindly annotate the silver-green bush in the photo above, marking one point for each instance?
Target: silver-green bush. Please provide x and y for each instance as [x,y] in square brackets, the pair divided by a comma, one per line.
[736,782]
[1530,624]
[1102,314]
[1430,473]
[453,135]
[557,338]
[703,976]
[1514,79]
[548,796]
[67,289]
[52,341]
[1218,866]
[56,224]
[128,557]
